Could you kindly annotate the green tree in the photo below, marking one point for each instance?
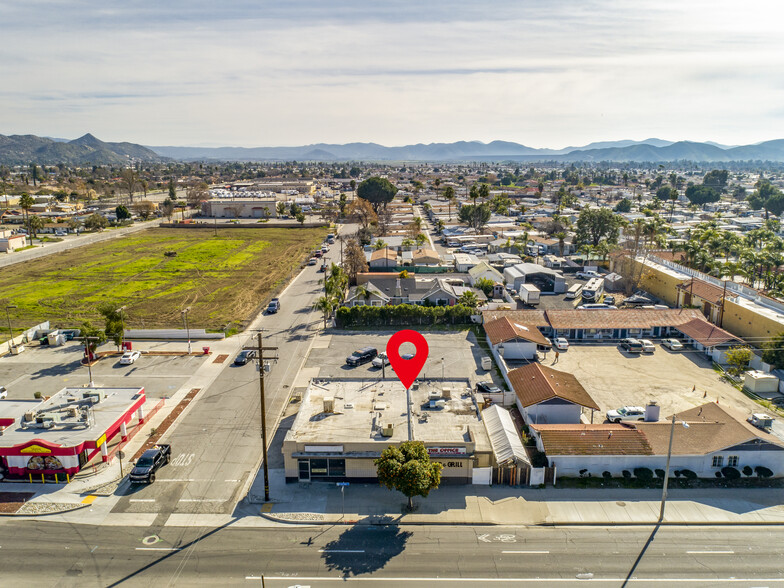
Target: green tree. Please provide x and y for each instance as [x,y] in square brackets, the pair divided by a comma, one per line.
[738,358]
[172,191]
[485,285]
[114,321]
[294,209]
[91,332]
[95,222]
[767,197]
[26,203]
[326,304]
[407,468]
[701,194]
[597,224]
[377,191]
[716,179]
[773,352]
[281,208]
[167,208]
[301,218]
[625,205]
[475,215]
[35,224]
[122,213]
[468,299]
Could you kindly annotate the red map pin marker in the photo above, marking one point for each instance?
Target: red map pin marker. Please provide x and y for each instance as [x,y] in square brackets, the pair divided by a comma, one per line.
[407,370]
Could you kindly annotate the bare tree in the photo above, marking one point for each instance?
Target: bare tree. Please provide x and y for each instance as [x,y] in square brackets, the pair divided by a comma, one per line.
[129,181]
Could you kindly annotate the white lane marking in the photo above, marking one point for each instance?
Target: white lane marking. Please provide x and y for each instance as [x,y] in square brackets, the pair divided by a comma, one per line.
[203,499]
[708,551]
[525,552]
[141,500]
[233,481]
[341,551]
[614,581]
[158,548]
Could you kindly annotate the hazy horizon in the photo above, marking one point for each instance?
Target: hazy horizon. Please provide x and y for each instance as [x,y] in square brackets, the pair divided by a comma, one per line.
[304,72]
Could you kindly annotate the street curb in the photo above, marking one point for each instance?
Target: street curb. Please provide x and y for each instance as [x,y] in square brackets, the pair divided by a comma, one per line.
[43,514]
[275,519]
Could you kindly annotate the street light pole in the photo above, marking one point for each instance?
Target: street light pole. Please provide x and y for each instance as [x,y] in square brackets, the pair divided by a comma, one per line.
[10,330]
[667,468]
[184,314]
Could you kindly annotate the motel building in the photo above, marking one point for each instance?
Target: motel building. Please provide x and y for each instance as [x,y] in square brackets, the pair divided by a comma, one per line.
[51,440]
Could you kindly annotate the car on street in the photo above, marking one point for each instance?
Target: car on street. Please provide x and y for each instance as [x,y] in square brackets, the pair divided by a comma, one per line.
[647,346]
[245,356]
[129,357]
[324,249]
[631,345]
[587,275]
[318,253]
[487,388]
[361,356]
[626,413]
[274,306]
[561,344]
[672,344]
[380,360]
[323,268]
[149,463]
[312,261]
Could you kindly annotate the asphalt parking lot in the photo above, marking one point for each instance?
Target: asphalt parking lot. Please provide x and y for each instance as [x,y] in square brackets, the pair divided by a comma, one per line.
[50,369]
[677,381]
[459,350]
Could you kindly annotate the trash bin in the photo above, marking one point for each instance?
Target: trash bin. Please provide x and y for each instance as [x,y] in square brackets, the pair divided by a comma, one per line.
[127,345]
[206,350]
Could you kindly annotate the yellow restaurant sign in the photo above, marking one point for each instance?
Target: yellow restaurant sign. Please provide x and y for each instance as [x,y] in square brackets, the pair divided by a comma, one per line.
[35,449]
[101,440]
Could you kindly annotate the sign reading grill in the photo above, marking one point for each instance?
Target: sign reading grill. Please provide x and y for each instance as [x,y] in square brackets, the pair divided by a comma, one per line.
[445,451]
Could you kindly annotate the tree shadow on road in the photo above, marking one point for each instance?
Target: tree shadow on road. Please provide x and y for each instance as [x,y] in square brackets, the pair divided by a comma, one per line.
[349,554]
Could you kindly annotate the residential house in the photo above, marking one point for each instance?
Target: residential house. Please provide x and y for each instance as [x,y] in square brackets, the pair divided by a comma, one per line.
[545,395]
[513,340]
[382,290]
[11,243]
[425,257]
[385,258]
[484,270]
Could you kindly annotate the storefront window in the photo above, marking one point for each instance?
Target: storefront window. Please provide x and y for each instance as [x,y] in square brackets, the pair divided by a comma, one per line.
[322,468]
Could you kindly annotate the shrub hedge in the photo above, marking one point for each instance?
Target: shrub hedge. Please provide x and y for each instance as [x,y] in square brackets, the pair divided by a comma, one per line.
[402,314]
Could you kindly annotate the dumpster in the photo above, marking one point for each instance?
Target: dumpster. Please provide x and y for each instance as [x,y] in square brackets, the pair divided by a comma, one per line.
[206,350]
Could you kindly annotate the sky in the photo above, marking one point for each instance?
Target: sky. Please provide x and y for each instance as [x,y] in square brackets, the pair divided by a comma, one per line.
[250,73]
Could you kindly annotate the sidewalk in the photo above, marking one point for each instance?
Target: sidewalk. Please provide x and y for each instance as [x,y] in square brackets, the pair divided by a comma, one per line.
[321,503]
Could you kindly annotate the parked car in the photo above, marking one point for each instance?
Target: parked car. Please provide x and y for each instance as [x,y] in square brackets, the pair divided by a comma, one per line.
[361,356]
[130,357]
[324,249]
[672,344]
[561,344]
[312,261]
[647,346]
[631,345]
[487,388]
[149,463]
[597,306]
[318,253]
[274,306]
[609,300]
[245,356]
[3,392]
[626,413]
[380,360]
[587,275]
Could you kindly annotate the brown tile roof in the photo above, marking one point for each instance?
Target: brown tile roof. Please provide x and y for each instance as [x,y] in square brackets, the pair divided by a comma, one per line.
[535,383]
[608,439]
[534,318]
[706,333]
[711,428]
[502,330]
[704,290]
[384,253]
[623,318]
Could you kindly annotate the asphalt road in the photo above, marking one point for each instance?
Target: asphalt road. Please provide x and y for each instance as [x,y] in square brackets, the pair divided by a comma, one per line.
[46,554]
[216,444]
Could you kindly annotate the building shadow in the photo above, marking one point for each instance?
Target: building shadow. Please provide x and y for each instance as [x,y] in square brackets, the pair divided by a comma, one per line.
[349,553]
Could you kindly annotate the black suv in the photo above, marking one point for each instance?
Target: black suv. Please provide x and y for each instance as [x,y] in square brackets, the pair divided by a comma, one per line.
[362,356]
[487,388]
[245,356]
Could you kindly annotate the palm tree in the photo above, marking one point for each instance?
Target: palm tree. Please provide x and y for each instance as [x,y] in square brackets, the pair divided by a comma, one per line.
[25,203]
[561,236]
[380,244]
[469,299]
[326,305]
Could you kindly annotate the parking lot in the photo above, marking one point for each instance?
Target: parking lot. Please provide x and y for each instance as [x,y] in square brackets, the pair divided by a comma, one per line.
[49,369]
[459,350]
[675,380]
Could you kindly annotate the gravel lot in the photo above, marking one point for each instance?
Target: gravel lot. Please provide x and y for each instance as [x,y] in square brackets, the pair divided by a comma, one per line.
[615,378]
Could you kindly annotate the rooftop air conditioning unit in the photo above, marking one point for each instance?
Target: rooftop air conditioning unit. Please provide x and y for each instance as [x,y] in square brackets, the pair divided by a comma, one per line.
[329,404]
[446,392]
[388,430]
[434,395]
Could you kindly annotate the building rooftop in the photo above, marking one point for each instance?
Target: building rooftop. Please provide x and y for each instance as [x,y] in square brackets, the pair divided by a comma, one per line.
[535,383]
[73,416]
[362,409]
[503,329]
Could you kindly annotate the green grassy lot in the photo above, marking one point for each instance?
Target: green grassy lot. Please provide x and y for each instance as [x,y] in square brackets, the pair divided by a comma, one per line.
[223,279]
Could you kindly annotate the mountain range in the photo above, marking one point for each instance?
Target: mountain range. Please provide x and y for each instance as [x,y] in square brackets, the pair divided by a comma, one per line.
[651,150]
[86,150]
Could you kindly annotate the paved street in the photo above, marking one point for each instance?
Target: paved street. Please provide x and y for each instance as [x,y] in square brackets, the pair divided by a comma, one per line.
[450,556]
[217,442]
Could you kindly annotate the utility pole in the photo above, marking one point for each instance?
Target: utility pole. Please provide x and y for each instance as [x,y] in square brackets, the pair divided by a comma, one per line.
[8,308]
[260,349]
[184,314]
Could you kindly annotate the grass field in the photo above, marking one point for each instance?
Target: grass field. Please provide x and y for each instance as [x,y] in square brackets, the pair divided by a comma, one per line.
[222,278]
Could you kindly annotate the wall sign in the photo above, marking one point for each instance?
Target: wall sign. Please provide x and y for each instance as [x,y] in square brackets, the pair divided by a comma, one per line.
[445,451]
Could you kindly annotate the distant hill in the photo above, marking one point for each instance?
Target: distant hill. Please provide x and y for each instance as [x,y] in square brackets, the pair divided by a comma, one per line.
[653,150]
[86,150]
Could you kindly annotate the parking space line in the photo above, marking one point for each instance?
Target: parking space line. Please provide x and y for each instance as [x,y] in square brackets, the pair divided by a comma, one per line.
[527,552]
[203,499]
[141,500]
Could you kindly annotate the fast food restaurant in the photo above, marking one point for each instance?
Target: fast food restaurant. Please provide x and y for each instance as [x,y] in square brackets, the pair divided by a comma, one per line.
[52,439]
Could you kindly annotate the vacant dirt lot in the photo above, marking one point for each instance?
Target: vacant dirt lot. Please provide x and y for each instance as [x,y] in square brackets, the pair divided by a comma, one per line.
[156,273]
[614,378]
